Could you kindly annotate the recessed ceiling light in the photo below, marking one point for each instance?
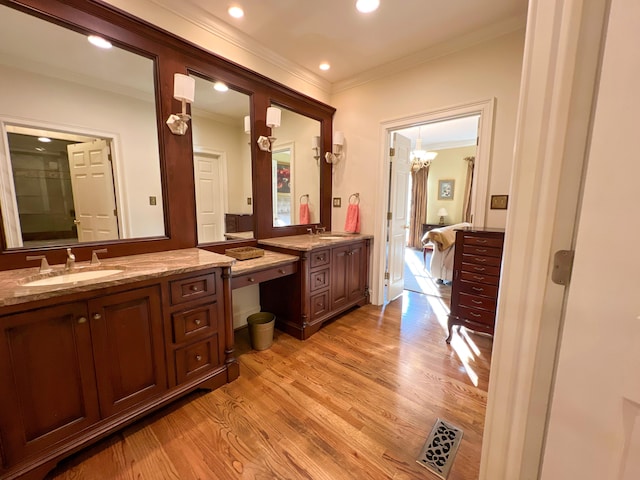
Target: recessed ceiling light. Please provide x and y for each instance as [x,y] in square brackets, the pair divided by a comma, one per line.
[236,12]
[99,41]
[324,66]
[220,87]
[44,139]
[367,6]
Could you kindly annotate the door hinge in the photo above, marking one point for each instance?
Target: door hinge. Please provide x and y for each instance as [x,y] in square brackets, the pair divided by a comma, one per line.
[562,266]
[115,212]
[386,275]
[389,216]
[392,152]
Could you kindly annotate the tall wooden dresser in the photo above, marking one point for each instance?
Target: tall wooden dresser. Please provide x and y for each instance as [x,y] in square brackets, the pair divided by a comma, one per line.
[476,276]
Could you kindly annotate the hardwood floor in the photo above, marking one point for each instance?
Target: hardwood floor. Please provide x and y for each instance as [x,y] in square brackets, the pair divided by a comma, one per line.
[355,401]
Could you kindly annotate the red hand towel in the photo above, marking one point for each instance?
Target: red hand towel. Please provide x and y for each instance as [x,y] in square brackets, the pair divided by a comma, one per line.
[305,215]
[352,223]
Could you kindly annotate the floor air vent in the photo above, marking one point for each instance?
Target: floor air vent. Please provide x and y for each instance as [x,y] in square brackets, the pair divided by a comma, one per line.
[440,449]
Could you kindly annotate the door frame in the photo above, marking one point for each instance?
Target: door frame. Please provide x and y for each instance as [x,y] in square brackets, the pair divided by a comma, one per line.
[11,220]
[479,198]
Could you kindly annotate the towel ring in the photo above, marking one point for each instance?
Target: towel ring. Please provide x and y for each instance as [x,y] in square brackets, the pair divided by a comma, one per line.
[357,199]
[303,196]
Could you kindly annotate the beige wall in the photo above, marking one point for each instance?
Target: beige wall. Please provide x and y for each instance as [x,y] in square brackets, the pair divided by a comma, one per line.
[491,69]
[448,165]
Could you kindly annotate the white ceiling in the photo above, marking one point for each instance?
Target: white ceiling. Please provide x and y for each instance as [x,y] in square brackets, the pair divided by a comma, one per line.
[308,32]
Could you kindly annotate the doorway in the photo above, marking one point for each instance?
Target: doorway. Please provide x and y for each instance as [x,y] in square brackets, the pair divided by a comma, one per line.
[445,204]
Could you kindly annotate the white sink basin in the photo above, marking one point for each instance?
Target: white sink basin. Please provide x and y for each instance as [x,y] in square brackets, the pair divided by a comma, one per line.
[71,277]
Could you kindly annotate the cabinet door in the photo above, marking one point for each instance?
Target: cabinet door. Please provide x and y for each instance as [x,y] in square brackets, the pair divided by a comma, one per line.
[355,273]
[47,380]
[128,348]
[339,276]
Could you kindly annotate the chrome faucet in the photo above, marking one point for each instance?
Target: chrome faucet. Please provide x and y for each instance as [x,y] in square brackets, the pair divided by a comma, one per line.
[310,230]
[44,265]
[71,260]
[321,229]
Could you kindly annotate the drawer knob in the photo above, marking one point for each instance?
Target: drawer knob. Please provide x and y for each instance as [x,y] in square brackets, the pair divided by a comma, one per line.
[198,358]
[82,320]
[319,258]
[97,316]
[282,271]
[197,321]
[194,288]
[251,279]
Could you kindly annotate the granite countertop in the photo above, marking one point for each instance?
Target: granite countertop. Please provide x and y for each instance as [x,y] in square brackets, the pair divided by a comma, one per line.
[268,260]
[134,268]
[307,242]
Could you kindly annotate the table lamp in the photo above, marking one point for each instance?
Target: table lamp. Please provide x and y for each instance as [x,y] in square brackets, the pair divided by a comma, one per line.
[442,213]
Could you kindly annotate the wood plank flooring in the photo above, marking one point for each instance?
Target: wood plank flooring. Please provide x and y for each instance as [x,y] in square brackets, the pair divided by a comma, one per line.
[355,401]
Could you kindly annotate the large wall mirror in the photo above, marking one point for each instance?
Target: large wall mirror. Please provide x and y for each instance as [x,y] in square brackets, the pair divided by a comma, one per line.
[79,153]
[222,162]
[296,170]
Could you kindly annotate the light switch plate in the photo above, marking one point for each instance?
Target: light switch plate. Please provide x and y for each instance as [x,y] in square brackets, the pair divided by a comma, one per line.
[248,200]
[337,201]
[152,200]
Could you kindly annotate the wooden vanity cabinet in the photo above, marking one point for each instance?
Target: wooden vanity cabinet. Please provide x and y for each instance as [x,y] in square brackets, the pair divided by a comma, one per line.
[78,367]
[330,280]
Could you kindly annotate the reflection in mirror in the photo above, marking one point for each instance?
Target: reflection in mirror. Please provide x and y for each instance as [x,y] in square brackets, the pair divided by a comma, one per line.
[99,176]
[296,170]
[222,163]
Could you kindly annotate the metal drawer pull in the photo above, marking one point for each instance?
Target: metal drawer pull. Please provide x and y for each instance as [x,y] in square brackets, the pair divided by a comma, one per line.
[282,271]
[251,279]
[481,240]
[477,302]
[477,289]
[97,316]
[318,279]
[481,250]
[478,277]
[319,258]
[479,269]
[82,320]
[481,260]
[197,321]
[473,314]
[193,288]
[198,357]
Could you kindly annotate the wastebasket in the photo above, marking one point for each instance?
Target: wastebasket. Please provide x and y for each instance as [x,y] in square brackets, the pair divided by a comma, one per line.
[261,329]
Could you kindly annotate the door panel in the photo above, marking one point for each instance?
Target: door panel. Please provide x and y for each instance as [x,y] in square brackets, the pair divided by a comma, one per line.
[209,197]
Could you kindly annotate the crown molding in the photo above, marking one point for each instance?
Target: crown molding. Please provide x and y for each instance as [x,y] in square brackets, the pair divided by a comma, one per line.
[203,20]
[440,50]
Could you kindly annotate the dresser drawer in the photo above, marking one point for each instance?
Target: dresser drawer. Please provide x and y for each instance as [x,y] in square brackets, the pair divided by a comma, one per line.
[480,316]
[479,278]
[263,275]
[481,260]
[192,288]
[475,288]
[470,239]
[319,258]
[192,360]
[195,323]
[482,269]
[319,279]
[483,251]
[319,304]
[477,301]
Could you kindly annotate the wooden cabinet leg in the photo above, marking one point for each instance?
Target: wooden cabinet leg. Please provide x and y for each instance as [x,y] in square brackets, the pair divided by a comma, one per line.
[450,324]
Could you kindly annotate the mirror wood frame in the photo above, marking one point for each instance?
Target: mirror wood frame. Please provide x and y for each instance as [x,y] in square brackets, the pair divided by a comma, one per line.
[175,55]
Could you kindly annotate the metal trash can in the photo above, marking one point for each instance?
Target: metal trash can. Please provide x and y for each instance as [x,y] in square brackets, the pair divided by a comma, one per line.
[261,329]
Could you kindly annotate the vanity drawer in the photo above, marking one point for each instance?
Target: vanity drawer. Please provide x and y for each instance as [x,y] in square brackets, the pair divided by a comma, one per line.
[481,269]
[319,304]
[194,323]
[481,260]
[263,275]
[319,279]
[477,250]
[192,360]
[192,288]
[479,289]
[477,301]
[319,258]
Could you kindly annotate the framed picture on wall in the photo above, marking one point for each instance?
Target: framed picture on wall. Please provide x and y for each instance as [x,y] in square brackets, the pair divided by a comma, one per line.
[445,189]
[284,178]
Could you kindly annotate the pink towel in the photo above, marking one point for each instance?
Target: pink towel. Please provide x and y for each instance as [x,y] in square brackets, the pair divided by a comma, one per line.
[352,223]
[305,215]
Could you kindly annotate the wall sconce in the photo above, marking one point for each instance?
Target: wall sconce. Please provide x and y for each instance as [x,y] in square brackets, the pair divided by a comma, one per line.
[336,155]
[315,146]
[273,121]
[184,89]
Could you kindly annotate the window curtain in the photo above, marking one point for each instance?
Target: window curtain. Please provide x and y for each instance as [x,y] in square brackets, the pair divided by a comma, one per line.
[418,214]
[466,208]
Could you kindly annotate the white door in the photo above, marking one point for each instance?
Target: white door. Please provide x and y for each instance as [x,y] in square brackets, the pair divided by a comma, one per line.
[210,197]
[594,423]
[400,176]
[93,191]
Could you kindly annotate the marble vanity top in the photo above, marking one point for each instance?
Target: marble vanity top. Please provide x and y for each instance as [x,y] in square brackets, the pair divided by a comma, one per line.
[134,268]
[314,241]
[268,260]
